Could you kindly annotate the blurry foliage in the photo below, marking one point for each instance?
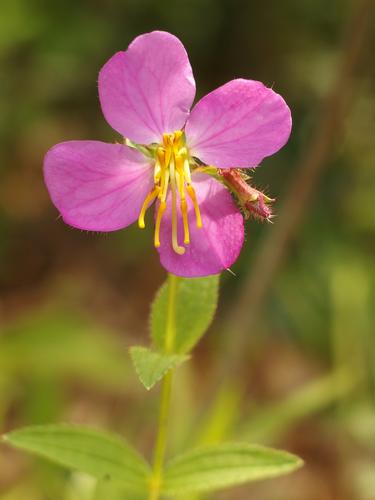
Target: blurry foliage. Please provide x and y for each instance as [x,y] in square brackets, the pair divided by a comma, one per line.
[56,364]
[69,348]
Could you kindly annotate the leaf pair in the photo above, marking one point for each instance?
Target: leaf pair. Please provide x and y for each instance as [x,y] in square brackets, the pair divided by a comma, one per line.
[107,456]
[181,313]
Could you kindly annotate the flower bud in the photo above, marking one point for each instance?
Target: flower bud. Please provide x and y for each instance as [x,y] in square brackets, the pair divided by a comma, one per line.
[252,201]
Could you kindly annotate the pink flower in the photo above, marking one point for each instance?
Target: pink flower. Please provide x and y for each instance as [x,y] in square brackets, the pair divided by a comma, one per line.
[146,93]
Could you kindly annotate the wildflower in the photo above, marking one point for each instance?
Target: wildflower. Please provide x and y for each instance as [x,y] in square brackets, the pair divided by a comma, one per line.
[169,153]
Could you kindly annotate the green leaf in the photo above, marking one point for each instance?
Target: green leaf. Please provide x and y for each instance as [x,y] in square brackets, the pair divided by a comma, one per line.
[195,302]
[87,450]
[107,490]
[151,366]
[225,465]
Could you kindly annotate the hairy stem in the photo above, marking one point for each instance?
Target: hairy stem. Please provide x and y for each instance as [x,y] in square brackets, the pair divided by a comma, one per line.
[165,398]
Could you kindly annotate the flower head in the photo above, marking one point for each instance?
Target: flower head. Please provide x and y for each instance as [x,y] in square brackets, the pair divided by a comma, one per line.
[169,156]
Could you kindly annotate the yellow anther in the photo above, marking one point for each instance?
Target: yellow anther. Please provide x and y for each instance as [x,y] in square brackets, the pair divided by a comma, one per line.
[177,135]
[179,159]
[161,157]
[165,140]
[184,211]
[149,199]
[191,192]
[159,216]
[168,156]
[177,141]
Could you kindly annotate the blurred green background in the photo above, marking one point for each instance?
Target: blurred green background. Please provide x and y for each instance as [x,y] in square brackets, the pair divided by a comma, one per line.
[290,359]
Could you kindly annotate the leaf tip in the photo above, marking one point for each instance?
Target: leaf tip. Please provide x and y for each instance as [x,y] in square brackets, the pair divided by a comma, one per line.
[299,462]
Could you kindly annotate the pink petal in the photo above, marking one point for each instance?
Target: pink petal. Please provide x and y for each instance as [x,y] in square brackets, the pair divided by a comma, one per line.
[216,245]
[97,186]
[238,124]
[148,89]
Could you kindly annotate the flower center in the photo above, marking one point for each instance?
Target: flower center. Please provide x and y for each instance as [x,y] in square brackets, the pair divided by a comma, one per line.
[172,171]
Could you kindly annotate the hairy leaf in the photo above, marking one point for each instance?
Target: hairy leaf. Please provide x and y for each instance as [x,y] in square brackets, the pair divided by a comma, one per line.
[151,366]
[225,465]
[99,454]
[195,303]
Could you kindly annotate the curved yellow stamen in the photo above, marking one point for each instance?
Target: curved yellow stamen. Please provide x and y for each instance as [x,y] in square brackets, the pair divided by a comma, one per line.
[149,199]
[163,205]
[191,192]
[159,216]
[184,212]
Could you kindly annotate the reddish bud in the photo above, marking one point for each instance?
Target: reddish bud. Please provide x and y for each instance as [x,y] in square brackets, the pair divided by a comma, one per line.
[252,201]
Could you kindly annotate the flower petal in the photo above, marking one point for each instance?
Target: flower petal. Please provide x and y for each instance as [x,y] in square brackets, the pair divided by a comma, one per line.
[216,245]
[238,124]
[97,186]
[148,89]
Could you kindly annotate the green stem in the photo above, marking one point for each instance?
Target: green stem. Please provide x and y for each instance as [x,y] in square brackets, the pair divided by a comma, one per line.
[165,398]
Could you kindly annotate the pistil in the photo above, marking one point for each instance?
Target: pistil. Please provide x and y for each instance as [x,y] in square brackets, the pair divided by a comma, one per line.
[176,247]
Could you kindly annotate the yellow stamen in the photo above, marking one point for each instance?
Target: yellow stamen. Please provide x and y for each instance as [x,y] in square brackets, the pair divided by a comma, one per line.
[157,173]
[165,140]
[191,192]
[159,216]
[177,137]
[161,156]
[164,186]
[179,162]
[149,198]
[168,149]
[185,222]
[181,188]
[187,172]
